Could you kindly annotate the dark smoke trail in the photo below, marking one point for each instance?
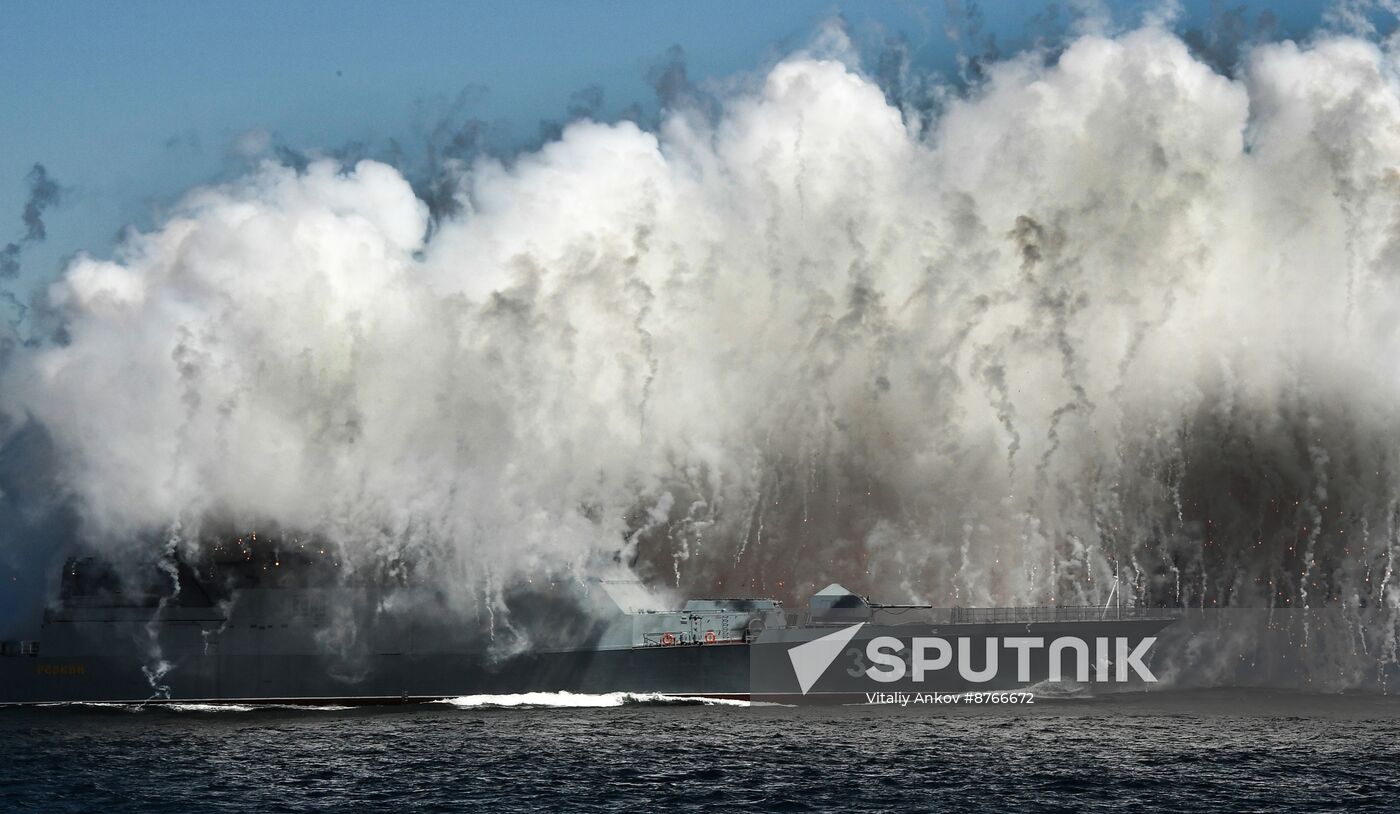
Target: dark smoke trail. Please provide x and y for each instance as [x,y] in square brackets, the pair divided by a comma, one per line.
[44,192]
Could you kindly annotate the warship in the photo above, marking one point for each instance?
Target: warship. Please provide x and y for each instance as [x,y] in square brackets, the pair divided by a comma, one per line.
[255,634]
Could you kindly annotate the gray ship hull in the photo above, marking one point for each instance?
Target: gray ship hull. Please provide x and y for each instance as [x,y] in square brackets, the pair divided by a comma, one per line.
[736,670]
[341,646]
[718,671]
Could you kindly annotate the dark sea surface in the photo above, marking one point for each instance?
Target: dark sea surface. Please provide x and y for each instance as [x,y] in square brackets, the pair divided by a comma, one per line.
[1184,751]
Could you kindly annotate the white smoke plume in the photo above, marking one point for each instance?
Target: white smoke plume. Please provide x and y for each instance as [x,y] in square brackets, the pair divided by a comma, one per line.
[1114,320]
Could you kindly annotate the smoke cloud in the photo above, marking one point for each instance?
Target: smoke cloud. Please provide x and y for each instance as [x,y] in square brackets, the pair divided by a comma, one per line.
[1108,326]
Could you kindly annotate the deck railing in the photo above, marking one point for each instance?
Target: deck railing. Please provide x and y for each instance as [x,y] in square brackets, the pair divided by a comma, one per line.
[1056,613]
[896,615]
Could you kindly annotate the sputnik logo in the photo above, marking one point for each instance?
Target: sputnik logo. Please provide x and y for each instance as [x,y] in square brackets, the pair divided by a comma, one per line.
[810,660]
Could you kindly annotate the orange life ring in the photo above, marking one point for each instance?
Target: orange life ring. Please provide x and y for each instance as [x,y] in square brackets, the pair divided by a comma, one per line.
[710,637]
[668,639]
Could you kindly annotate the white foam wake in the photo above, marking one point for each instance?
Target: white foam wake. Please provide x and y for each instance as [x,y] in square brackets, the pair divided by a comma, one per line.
[1056,690]
[544,700]
[248,707]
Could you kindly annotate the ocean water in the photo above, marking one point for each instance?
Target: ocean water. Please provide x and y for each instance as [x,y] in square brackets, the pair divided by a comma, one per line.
[1184,751]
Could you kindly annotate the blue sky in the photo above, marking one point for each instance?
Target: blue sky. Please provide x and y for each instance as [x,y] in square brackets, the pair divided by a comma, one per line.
[129,104]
